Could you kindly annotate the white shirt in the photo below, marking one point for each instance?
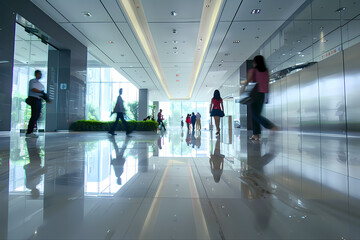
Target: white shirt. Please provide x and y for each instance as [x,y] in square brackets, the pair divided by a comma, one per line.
[35,83]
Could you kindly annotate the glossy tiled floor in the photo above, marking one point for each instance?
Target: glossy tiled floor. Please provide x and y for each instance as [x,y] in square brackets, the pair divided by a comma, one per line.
[179,186]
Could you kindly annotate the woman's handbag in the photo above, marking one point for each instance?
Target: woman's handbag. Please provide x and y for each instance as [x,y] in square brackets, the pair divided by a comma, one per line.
[249,94]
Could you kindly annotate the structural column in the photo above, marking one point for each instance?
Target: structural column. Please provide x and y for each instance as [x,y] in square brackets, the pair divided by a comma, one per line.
[143,103]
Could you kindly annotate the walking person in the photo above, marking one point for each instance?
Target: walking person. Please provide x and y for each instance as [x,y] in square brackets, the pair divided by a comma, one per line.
[217,109]
[260,75]
[188,121]
[193,121]
[36,93]
[160,119]
[119,109]
[198,121]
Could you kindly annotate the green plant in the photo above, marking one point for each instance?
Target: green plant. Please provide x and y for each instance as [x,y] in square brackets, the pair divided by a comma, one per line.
[134,107]
[94,125]
[152,107]
[92,112]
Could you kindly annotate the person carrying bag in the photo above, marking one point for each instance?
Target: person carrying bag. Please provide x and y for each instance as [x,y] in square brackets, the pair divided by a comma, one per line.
[259,79]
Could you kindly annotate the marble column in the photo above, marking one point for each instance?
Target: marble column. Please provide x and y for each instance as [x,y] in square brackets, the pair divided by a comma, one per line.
[143,104]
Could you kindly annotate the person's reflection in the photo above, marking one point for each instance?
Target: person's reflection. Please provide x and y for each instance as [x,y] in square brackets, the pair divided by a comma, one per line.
[217,162]
[198,140]
[33,170]
[255,184]
[193,139]
[188,138]
[119,161]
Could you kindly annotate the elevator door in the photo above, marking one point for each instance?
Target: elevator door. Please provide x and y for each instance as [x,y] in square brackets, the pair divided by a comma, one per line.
[30,54]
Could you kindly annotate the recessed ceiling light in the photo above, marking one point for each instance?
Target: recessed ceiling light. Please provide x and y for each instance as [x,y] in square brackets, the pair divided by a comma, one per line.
[175,42]
[144,81]
[324,40]
[111,42]
[86,14]
[299,53]
[174,48]
[165,41]
[220,65]
[236,41]
[122,55]
[176,52]
[299,41]
[340,9]
[222,61]
[256,37]
[283,54]
[173,13]
[174,31]
[255,11]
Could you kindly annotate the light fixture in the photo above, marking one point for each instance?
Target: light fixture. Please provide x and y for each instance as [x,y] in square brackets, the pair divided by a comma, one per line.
[136,16]
[340,9]
[208,21]
[111,42]
[236,41]
[175,42]
[176,52]
[324,40]
[255,11]
[283,54]
[175,48]
[298,52]
[256,37]
[174,31]
[227,54]
[302,55]
[173,13]
[86,14]
[299,41]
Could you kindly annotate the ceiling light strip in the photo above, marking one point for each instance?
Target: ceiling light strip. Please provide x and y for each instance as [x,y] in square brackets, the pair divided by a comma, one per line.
[137,18]
[209,16]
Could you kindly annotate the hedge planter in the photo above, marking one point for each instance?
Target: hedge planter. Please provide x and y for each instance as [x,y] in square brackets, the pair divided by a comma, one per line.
[93,125]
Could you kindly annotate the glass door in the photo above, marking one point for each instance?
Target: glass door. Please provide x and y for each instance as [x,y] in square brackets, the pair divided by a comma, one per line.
[30,54]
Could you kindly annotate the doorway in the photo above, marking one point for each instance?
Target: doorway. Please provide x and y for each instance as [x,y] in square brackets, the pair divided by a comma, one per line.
[30,54]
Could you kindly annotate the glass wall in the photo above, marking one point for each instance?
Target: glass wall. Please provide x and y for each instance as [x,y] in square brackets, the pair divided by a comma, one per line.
[30,54]
[317,31]
[103,86]
[174,110]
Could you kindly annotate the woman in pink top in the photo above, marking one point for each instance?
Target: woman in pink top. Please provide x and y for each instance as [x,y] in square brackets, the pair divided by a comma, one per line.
[217,109]
[260,75]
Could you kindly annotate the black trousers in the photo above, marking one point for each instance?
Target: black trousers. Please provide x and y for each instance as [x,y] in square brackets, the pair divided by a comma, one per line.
[257,119]
[161,123]
[36,105]
[120,116]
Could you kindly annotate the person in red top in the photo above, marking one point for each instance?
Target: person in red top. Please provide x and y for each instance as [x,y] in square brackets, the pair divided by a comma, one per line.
[260,75]
[188,121]
[160,119]
[217,109]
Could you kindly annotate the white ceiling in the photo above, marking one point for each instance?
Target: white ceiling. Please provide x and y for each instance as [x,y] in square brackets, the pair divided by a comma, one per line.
[108,23]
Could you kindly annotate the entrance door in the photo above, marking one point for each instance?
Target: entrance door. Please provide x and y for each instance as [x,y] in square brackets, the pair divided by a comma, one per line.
[30,54]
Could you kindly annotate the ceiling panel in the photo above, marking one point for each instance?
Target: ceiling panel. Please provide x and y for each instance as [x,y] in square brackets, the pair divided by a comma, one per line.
[49,10]
[73,10]
[160,10]
[101,34]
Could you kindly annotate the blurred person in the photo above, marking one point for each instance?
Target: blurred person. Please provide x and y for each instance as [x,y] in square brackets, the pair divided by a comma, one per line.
[36,93]
[182,122]
[119,109]
[188,121]
[160,119]
[217,109]
[260,75]
[198,121]
[193,121]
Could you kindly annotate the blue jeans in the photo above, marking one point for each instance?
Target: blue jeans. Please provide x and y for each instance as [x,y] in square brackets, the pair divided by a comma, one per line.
[257,119]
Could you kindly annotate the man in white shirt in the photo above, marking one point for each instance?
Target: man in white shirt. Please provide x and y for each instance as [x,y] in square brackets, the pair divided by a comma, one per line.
[198,121]
[36,92]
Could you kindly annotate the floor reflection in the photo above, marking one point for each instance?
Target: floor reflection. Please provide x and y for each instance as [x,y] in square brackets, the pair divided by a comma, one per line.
[179,185]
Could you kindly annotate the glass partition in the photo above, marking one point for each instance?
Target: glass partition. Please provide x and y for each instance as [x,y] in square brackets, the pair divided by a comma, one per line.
[103,86]
[30,54]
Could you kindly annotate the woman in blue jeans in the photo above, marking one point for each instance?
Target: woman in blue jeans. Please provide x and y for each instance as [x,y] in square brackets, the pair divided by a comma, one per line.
[260,75]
